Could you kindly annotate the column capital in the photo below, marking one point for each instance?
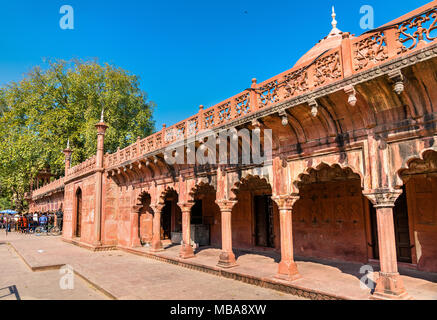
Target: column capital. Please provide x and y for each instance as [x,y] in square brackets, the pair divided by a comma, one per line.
[157,207]
[383,198]
[137,208]
[101,128]
[226,205]
[286,202]
[186,206]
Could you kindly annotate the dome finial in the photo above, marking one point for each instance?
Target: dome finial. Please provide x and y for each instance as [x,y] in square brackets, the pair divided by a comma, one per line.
[334,22]
[334,31]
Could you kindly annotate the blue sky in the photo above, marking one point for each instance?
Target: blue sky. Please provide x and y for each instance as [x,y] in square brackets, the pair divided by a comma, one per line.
[185,52]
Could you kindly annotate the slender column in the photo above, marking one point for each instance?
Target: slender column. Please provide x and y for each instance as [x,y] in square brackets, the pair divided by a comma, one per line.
[135,227]
[227,257]
[389,285]
[186,249]
[287,269]
[101,129]
[156,237]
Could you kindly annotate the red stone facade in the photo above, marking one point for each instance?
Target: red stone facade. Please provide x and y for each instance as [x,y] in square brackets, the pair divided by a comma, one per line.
[353,173]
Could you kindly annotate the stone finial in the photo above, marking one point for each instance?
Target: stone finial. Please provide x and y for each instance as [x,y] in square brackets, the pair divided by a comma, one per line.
[335,31]
[68,144]
[334,22]
[101,117]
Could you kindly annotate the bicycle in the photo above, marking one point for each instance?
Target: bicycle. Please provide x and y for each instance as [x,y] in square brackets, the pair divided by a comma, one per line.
[55,231]
[40,230]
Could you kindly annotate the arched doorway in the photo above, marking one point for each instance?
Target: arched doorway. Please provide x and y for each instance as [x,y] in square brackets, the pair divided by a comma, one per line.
[205,216]
[330,217]
[255,217]
[145,219]
[420,194]
[171,216]
[402,229]
[78,212]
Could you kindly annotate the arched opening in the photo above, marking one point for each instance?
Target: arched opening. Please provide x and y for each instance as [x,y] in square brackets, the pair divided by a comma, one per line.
[205,216]
[171,217]
[78,212]
[145,219]
[331,217]
[255,217]
[420,217]
[402,229]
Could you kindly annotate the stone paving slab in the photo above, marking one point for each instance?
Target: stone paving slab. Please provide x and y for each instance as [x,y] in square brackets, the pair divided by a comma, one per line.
[126,276]
[17,282]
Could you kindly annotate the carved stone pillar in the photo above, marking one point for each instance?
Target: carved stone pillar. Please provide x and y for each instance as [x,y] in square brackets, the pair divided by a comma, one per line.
[227,257]
[287,269]
[135,227]
[186,249]
[389,284]
[156,237]
[101,129]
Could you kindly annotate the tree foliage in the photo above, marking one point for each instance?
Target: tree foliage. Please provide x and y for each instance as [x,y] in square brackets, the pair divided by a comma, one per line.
[64,101]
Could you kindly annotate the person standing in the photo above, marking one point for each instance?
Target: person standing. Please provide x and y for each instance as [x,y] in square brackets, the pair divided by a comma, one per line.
[25,224]
[43,221]
[59,218]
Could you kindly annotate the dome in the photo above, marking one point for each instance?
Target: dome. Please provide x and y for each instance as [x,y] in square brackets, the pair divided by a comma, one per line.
[332,40]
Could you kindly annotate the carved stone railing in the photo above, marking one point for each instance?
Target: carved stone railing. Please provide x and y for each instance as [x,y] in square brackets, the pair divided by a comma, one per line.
[82,168]
[353,56]
[54,186]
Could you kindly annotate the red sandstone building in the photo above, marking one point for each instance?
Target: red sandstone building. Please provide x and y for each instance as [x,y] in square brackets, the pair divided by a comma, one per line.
[352,177]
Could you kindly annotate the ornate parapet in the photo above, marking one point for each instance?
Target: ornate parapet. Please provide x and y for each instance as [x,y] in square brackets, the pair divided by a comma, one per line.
[82,169]
[370,55]
[48,189]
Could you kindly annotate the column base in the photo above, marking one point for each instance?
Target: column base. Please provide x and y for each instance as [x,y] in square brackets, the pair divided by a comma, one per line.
[136,243]
[186,252]
[227,260]
[389,286]
[156,246]
[288,271]
[97,244]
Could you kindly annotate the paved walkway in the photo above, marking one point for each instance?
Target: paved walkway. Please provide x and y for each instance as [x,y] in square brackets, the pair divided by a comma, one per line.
[336,279]
[121,275]
[18,282]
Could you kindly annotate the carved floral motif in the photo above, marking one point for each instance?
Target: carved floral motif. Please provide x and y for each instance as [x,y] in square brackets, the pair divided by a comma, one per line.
[268,94]
[296,83]
[243,104]
[370,51]
[418,30]
[327,68]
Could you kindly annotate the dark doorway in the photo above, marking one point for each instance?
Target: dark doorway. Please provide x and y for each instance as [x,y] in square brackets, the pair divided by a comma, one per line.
[78,211]
[374,228]
[196,212]
[166,221]
[402,230]
[264,232]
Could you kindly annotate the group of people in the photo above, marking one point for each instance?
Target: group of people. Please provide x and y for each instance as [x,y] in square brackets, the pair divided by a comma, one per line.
[28,222]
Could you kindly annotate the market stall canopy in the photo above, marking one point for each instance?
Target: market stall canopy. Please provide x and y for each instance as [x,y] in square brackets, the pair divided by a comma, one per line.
[9,211]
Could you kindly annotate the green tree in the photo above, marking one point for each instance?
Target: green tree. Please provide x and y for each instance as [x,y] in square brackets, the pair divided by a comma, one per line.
[64,101]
